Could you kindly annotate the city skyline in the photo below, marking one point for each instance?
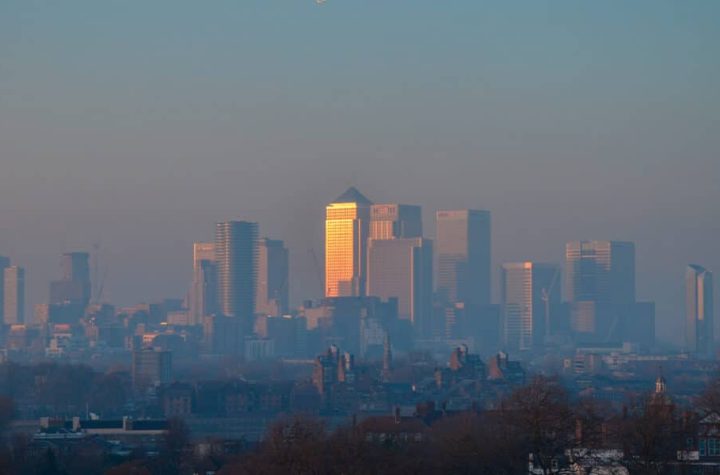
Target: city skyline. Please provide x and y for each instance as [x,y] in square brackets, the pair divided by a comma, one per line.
[567,121]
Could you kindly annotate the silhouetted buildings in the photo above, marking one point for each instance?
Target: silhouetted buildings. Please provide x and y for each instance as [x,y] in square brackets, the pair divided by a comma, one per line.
[699,318]
[75,287]
[273,278]
[204,290]
[14,295]
[463,257]
[151,367]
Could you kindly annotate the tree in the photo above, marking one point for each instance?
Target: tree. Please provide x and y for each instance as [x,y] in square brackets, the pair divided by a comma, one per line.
[541,417]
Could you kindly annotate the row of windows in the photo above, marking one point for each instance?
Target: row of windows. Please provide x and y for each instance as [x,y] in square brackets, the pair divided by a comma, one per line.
[709,447]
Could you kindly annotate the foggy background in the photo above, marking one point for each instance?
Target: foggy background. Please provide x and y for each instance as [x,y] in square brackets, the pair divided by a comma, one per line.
[138,125]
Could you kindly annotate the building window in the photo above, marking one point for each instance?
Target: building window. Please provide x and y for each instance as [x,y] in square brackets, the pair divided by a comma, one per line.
[713,447]
[701,447]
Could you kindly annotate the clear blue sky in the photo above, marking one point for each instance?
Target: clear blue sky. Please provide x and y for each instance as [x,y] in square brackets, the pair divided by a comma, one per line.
[140,123]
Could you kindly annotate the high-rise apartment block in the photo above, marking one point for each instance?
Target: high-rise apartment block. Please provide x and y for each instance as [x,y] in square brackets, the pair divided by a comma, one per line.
[463,257]
[402,268]
[236,260]
[204,290]
[273,278]
[347,224]
[699,318]
[14,295]
[529,291]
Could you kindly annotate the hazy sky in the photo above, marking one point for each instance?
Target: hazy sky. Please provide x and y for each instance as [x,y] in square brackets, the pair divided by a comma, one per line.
[138,124]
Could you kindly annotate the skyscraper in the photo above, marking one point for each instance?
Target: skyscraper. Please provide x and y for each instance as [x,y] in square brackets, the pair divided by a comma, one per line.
[600,271]
[4,264]
[14,303]
[402,268]
[74,288]
[600,286]
[204,291]
[463,257]
[347,221]
[389,221]
[235,257]
[699,321]
[529,291]
[273,278]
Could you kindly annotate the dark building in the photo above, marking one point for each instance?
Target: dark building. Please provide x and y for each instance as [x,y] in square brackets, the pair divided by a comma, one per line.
[151,368]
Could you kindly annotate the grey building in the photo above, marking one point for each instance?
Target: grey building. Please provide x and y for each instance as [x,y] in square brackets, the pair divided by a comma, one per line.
[14,295]
[699,318]
[402,269]
[530,291]
[273,278]
[463,257]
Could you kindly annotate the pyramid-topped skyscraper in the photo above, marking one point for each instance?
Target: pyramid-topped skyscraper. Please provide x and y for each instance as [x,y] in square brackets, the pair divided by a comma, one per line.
[347,221]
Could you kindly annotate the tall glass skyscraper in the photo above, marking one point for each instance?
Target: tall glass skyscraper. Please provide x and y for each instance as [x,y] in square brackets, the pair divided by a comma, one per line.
[699,321]
[600,271]
[529,290]
[347,222]
[390,221]
[272,296]
[236,261]
[463,257]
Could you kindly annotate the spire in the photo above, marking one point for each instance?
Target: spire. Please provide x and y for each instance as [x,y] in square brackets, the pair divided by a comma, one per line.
[352,195]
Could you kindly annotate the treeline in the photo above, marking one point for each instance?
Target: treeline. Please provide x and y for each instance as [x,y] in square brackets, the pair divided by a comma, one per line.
[539,420]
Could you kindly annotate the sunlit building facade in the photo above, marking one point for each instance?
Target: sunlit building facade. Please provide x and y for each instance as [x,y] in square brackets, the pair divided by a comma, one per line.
[390,221]
[529,291]
[347,222]
[463,257]
[699,319]
[273,278]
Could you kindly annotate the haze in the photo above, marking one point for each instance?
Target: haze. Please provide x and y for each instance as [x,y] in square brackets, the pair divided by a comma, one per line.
[139,124]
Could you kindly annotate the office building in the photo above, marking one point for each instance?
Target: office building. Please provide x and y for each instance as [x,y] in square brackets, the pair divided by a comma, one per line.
[402,269]
[75,286]
[204,290]
[273,278]
[699,318]
[14,298]
[463,257]
[600,271]
[390,221]
[4,264]
[600,288]
[236,260]
[347,222]
[529,291]
[151,367]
